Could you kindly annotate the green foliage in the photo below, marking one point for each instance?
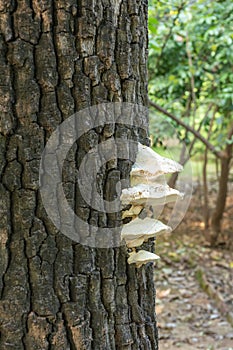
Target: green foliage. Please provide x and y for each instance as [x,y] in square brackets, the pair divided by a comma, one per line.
[191,63]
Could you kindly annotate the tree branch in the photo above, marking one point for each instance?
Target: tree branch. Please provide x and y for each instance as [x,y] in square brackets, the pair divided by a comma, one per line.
[190,129]
[192,79]
[211,105]
[167,37]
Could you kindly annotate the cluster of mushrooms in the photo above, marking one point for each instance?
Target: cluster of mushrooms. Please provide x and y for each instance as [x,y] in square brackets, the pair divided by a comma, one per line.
[147,191]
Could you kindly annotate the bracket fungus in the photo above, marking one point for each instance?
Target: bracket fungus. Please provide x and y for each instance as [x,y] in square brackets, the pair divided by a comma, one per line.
[150,165]
[146,190]
[132,212]
[139,231]
[141,257]
[153,194]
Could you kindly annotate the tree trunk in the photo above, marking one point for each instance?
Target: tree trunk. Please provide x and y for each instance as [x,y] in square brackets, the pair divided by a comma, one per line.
[222,190]
[206,213]
[56,58]
[217,215]
[183,160]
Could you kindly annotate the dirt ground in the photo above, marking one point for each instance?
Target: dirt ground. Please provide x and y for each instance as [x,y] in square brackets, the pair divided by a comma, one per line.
[194,284]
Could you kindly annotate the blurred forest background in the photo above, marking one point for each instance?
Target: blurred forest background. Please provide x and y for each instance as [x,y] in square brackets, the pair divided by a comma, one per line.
[191,92]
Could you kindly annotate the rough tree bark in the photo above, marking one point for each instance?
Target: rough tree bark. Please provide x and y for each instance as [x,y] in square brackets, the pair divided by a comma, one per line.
[58,57]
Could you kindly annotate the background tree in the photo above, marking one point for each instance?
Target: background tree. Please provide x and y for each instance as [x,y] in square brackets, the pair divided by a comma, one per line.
[190,81]
[58,57]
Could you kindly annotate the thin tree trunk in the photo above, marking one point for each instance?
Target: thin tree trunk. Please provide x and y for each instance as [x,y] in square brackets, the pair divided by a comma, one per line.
[217,168]
[217,215]
[182,161]
[205,178]
[206,213]
[56,58]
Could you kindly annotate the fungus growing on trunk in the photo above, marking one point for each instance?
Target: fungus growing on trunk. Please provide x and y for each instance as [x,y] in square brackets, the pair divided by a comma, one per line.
[132,212]
[150,165]
[139,231]
[142,257]
[152,194]
[148,190]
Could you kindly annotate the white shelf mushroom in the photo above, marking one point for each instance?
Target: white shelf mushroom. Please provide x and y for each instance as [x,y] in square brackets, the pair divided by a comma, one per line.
[150,165]
[142,257]
[155,194]
[147,190]
[132,212]
[138,231]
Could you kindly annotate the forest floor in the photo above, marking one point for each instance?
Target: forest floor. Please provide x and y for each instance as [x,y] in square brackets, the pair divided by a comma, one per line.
[194,284]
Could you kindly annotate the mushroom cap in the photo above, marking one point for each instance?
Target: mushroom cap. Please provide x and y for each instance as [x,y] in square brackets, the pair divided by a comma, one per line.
[142,257]
[133,211]
[140,230]
[149,194]
[149,165]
